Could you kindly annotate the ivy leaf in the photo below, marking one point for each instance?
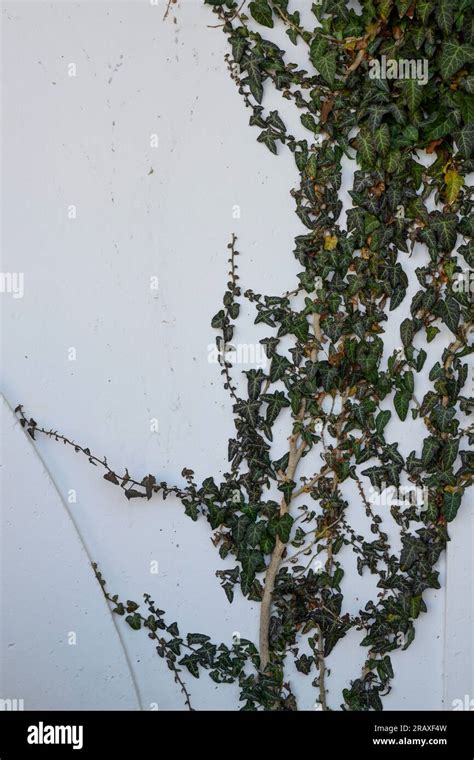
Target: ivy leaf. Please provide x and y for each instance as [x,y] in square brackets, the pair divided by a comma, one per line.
[276,402]
[381,420]
[410,552]
[442,416]
[443,126]
[451,504]
[402,401]
[283,528]
[254,77]
[465,140]
[287,487]
[454,182]
[239,45]
[431,333]
[444,15]
[197,638]
[365,149]
[304,663]
[382,139]
[468,252]
[326,65]
[416,603]
[407,332]
[261,12]
[423,9]
[375,116]
[248,410]
[450,313]
[408,382]
[191,663]
[267,138]
[239,530]
[255,533]
[278,368]
[413,93]
[275,121]
[444,226]
[218,321]
[430,447]
[449,453]
[397,298]
[134,621]
[453,56]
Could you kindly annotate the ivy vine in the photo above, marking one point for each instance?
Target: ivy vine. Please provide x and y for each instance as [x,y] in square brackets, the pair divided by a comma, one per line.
[335,384]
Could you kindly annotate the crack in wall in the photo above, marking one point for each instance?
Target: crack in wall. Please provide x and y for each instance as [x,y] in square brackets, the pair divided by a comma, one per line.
[84,546]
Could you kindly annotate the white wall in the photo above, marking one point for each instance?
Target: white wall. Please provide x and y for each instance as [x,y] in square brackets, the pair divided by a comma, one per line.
[84,140]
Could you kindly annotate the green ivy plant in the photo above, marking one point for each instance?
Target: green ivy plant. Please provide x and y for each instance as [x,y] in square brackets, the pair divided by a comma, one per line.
[335,384]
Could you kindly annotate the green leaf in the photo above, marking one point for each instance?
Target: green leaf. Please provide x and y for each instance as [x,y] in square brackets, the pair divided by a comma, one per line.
[309,122]
[254,77]
[197,638]
[317,49]
[284,527]
[413,93]
[444,15]
[430,448]
[134,621]
[415,606]
[239,530]
[444,226]
[267,138]
[450,313]
[326,65]
[423,10]
[408,382]
[381,420]
[287,487]
[443,416]
[407,332]
[276,402]
[410,552]
[382,139]
[248,410]
[393,161]
[431,333]
[397,298]
[449,453]
[191,663]
[278,368]
[465,140]
[451,504]
[453,56]
[255,378]
[261,12]
[365,150]
[239,45]
[275,121]
[255,533]
[401,402]
[443,126]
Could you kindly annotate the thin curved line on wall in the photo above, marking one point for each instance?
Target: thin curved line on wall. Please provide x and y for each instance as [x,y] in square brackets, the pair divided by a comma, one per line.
[84,546]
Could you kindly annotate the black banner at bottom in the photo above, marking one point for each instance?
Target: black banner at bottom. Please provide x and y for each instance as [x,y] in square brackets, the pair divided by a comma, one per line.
[91,734]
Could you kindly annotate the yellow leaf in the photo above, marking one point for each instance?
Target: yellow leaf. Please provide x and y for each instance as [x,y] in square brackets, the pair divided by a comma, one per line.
[330,242]
[454,182]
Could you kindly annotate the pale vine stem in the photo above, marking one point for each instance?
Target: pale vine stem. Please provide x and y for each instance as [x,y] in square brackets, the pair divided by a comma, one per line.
[295,454]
